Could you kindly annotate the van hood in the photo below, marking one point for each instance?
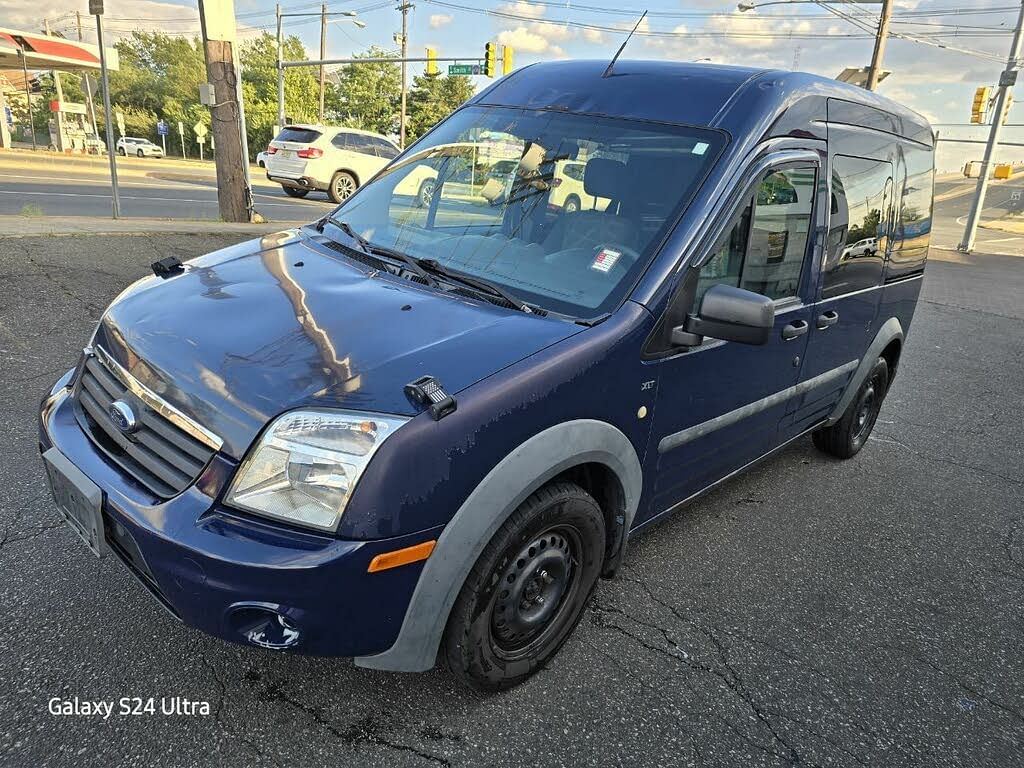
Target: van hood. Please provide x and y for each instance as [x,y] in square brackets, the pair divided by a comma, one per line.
[282,322]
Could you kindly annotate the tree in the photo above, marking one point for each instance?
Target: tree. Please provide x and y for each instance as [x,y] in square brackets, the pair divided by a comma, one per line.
[432,98]
[366,96]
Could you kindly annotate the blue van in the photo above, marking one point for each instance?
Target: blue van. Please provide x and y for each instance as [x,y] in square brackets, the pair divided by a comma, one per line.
[422,427]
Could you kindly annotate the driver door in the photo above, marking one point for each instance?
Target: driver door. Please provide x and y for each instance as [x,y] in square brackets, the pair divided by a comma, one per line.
[720,404]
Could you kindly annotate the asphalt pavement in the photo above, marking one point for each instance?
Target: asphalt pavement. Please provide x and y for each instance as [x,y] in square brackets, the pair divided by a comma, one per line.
[810,613]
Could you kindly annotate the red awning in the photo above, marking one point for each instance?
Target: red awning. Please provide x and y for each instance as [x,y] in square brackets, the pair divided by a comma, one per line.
[42,52]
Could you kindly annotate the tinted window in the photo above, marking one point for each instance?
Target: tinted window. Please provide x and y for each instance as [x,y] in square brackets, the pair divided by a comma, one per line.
[574,171]
[355,142]
[858,226]
[763,251]
[384,149]
[301,135]
[914,223]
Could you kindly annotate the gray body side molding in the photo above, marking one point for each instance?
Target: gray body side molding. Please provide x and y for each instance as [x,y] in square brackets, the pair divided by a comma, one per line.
[891,329]
[542,457]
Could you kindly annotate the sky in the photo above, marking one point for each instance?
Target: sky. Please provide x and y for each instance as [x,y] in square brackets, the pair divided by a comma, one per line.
[937,81]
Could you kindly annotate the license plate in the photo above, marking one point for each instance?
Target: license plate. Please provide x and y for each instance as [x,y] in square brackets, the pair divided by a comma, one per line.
[78,499]
[286,154]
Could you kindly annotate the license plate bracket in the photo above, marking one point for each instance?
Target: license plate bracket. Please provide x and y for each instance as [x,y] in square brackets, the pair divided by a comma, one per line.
[78,499]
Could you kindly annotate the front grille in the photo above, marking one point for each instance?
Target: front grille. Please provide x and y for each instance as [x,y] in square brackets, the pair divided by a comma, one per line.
[161,456]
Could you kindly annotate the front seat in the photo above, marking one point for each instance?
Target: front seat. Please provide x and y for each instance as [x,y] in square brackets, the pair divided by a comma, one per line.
[592,229]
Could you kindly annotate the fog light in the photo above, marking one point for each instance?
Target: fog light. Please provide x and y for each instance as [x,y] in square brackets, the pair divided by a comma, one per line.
[265,627]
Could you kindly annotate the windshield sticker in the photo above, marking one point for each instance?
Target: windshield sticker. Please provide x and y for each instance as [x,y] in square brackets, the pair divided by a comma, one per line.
[700,148]
[605,260]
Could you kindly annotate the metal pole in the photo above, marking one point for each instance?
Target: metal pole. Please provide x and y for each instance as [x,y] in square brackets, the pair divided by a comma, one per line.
[1006,81]
[108,119]
[880,39]
[28,98]
[323,55]
[280,73]
[404,8]
[243,128]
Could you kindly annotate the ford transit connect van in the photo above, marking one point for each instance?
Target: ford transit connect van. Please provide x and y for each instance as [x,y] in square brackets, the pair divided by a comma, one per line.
[417,432]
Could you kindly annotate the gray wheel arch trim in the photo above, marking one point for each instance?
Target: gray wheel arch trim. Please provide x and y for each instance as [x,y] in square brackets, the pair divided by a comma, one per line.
[524,470]
[891,329]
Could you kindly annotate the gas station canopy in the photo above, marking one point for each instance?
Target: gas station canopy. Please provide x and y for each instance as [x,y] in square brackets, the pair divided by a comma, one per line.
[42,52]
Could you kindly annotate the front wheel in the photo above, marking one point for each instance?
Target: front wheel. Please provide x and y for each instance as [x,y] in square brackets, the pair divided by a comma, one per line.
[140,153]
[527,590]
[847,436]
[342,186]
[121,152]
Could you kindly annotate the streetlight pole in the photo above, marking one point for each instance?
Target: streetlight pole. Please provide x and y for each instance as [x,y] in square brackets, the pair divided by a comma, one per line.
[880,40]
[96,7]
[404,8]
[323,55]
[280,72]
[1006,82]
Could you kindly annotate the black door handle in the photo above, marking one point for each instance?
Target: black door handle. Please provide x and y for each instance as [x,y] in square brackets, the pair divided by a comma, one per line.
[827,319]
[794,329]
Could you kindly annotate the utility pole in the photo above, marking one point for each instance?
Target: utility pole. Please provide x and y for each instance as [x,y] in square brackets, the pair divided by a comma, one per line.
[404,8]
[217,21]
[875,70]
[28,96]
[1006,82]
[323,55]
[96,8]
[280,72]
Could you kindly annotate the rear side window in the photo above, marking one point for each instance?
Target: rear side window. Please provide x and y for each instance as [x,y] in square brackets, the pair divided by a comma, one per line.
[914,222]
[300,135]
[858,236]
[764,249]
[355,142]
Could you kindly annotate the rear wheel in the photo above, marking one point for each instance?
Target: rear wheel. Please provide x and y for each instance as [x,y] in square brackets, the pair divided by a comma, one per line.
[342,186]
[120,151]
[294,191]
[527,590]
[572,204]
[140,153]
[847,436]
[425,193]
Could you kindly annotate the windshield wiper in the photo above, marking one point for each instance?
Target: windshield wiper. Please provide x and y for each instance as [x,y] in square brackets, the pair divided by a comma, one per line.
[476,282]
[378,250]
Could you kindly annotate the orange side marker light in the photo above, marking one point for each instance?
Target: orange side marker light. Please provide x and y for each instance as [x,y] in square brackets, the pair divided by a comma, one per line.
[413,554]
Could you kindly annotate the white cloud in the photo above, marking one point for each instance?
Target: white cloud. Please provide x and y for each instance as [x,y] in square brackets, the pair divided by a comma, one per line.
[523,9]
[522,39]
[559,33]
[595,36]
[438,20]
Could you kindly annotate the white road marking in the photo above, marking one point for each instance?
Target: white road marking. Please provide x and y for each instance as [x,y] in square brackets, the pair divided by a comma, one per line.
[133,197]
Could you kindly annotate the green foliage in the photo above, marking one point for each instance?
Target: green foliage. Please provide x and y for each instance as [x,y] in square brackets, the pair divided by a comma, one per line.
[367,96]
[432,98]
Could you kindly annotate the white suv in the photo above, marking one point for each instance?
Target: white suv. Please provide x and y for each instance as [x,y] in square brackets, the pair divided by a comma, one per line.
[332,160]
[130,145]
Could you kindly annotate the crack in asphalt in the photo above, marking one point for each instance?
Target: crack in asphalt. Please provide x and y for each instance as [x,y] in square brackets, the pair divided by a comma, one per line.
[884,438]
[361,732]
[219,719]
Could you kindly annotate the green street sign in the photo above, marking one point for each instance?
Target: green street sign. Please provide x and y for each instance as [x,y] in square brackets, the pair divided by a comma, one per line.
[463,69]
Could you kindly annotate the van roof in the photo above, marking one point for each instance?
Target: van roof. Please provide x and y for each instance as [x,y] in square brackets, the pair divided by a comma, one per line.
[734,98]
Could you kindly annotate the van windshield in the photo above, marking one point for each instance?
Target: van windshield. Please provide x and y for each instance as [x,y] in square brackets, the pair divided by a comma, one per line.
[563,210]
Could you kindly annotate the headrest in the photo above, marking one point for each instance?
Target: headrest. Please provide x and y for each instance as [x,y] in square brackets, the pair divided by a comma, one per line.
[604,178]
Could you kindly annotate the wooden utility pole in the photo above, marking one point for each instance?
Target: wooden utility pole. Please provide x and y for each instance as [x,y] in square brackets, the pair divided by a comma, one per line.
[875,71]
[217,20]
[404,8]
[323,55]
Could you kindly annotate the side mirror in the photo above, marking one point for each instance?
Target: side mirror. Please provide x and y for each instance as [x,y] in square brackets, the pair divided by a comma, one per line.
[730,314]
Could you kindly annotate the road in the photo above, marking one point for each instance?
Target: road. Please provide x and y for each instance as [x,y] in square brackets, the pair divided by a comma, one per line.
[149,188]
[810,613]
[953,199]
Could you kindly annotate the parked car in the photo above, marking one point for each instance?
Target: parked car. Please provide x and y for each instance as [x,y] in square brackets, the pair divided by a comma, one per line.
[568,192]
[130,145]
[422,433]
[867,246]
[303,158]
[261,159]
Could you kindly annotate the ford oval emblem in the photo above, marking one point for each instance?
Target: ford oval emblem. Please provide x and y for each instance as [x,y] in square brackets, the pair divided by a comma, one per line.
[123,416]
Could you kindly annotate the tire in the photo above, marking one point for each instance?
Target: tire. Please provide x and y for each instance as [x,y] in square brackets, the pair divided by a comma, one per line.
[294,191]
[571,205]
[425,193]
[846,437]
[260,164]
[121,152]
[140,153]
[552,545]
[343,184]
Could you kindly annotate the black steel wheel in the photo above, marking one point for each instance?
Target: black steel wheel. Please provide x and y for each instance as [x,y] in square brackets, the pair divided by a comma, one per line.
[846,437]
[527,590]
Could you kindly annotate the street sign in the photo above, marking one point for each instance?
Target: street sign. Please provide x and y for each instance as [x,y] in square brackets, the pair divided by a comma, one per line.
[8,115]
[463,69]
[200,131]
[162,128]
[95,8]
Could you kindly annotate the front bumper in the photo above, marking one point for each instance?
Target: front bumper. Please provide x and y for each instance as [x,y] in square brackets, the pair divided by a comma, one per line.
[221,571]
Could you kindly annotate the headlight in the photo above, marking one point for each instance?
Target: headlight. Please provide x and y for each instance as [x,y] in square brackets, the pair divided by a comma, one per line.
[307,463]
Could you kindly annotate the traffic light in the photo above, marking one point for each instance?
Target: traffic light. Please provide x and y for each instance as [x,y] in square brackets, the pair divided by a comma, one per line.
[1006,109]
[490,59]
[432,61]
[506,59]
[980,105]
